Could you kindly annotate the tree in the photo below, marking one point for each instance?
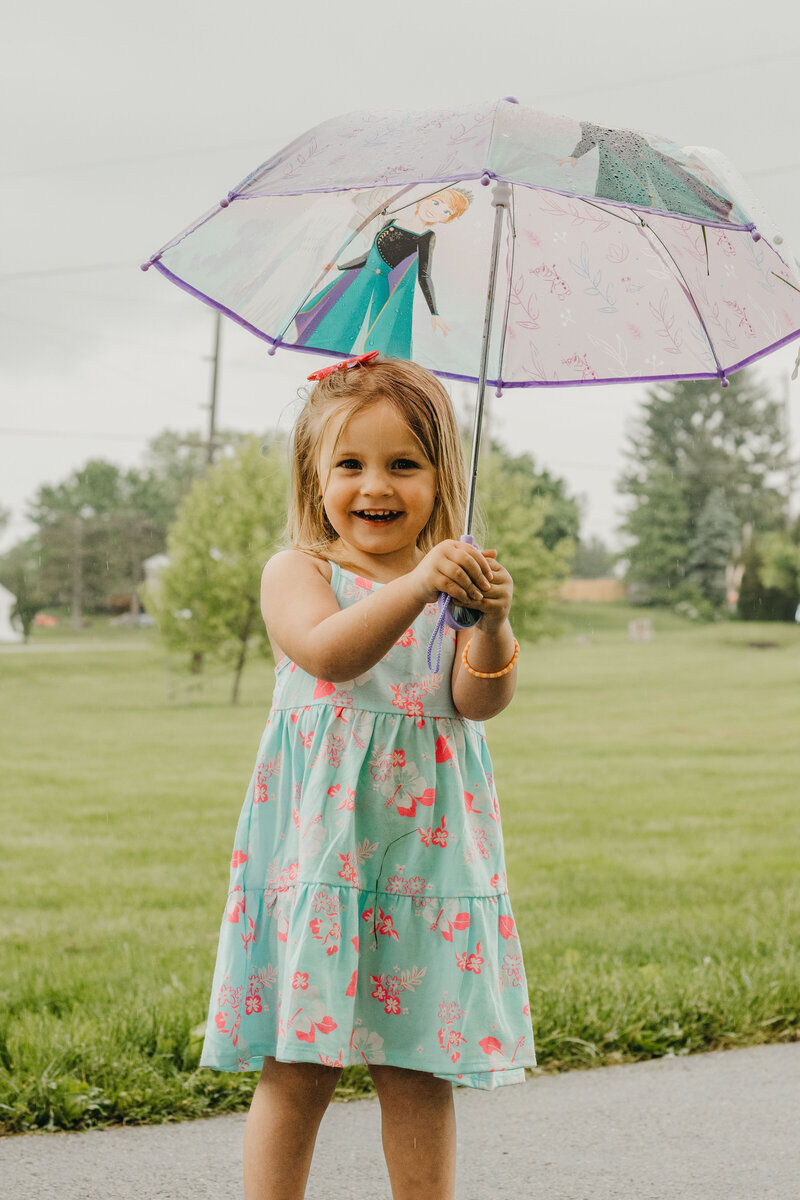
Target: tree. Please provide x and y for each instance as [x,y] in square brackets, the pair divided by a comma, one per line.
[696,438]
[19,572]
[712,547]
[592,560]
[228,525]
[770,588]
[527,518]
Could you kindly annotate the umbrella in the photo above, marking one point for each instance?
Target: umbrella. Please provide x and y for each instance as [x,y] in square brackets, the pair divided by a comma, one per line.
[596,255]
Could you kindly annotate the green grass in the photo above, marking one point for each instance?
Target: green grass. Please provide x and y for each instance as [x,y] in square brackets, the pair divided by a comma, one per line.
[650,806]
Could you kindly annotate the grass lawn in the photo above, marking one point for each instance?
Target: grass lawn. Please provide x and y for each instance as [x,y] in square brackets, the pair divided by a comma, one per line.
[650,796]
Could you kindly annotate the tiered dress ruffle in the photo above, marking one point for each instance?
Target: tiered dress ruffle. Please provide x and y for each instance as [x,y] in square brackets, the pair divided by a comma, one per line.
[368,919]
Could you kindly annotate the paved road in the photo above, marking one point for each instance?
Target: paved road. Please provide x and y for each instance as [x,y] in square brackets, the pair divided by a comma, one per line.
[711,1127]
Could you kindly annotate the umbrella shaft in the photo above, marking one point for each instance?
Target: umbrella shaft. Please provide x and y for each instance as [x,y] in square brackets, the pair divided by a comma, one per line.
[501,195]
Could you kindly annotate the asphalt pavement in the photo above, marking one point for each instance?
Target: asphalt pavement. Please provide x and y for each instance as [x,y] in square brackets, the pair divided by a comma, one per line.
[723,1126]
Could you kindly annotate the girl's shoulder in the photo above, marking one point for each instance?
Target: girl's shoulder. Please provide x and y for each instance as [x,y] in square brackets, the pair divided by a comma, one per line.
[295,567]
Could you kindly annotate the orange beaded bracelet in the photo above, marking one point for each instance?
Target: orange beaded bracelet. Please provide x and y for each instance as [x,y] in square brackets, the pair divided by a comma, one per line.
[491,674]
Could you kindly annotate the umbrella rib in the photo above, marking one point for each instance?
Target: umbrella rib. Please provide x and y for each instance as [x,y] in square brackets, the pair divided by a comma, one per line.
[685,288]
[509,281]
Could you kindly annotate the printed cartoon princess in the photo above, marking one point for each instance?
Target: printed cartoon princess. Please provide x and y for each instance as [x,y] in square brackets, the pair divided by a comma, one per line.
[371,306]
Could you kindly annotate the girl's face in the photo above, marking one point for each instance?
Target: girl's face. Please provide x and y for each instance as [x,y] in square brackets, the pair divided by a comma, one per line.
[378,487]
[434,209]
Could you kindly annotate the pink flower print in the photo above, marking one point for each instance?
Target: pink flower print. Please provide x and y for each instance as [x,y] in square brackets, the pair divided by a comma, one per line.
[252,1003]
[311,1019]
[384,924]
[382,764]
[490,1045]
[228,1016]
[307,739]
[328,1061]
[507,927]
[450,920]
[327,927]
[353,858]
[526,1009]
[348,803]
[389,987]
[368,1045]
[407,639]
[265,771]
[300,980]
[744,320]
[435,837]
[443,751]
[249,931]
[351,987]
[348,871]
[469,804]
[558,287]
[238,857]
[236,903]
[398,886]
[450,1040]
[581,365]
[332,750]
[322,689]
[404,787]
[408,696]
[470,962]
[510,971]
[480,846]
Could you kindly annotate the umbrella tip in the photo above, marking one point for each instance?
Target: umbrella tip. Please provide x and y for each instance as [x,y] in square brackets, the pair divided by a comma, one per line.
[511,99]
[224,202]
[271,351]
[754,234]
[145,266]
[723,379]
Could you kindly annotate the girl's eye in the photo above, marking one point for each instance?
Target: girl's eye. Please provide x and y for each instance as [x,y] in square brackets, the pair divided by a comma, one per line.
[349,464]
[405,464]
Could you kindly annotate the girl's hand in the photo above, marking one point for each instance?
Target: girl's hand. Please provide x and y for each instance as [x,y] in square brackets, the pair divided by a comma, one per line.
[496,602]
[458,569]
[442,326]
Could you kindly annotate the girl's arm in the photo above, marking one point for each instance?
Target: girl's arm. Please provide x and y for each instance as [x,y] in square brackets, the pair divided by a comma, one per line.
[304,620]
[491,647]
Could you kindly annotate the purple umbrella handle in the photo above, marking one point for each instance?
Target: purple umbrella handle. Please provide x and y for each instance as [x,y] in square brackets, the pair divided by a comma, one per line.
[456,616]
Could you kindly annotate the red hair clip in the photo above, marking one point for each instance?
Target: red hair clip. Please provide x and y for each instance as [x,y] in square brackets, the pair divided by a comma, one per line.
[342,366]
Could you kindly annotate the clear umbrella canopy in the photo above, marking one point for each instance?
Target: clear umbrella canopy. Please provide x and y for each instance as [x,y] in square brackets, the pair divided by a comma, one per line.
[622,256]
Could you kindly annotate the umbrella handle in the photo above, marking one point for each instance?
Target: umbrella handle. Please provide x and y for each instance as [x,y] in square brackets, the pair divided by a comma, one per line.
[456,616]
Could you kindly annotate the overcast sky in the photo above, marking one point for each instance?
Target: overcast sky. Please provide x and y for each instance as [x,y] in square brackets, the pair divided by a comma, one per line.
[123,123]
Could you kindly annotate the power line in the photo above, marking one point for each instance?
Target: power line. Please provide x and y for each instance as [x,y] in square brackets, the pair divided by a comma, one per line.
[82,269]
[129,437]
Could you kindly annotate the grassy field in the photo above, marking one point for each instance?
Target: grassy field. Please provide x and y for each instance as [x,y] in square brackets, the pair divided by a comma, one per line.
[650,799]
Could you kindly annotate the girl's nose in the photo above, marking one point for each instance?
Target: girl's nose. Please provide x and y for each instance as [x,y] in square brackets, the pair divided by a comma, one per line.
[376,483]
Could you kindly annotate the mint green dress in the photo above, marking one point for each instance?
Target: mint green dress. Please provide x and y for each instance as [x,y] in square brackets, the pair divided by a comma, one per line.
[368,918]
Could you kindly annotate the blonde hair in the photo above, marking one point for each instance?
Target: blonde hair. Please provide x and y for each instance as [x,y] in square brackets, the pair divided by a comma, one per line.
[421,401]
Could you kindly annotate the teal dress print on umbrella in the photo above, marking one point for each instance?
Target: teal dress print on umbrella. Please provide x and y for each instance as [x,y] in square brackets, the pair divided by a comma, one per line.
[371,306]
[632,171]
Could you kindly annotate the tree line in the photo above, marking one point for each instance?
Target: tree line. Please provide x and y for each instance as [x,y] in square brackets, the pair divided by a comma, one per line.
[708,519]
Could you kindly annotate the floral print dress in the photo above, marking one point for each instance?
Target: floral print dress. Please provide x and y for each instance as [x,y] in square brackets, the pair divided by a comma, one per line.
[368,918]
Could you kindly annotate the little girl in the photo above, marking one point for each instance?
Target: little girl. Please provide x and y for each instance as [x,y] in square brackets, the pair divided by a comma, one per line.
[368,918]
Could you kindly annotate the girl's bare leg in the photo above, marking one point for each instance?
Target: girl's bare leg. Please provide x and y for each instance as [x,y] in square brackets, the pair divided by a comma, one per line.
[419,1133]
[289,1102]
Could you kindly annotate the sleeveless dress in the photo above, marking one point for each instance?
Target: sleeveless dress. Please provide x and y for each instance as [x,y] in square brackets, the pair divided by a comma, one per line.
[368,918]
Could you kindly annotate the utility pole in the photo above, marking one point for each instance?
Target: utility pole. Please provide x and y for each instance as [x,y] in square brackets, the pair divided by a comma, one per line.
[211,444]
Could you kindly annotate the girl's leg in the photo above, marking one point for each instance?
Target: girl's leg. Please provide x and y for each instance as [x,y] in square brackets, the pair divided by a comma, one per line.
[419,1133]
[289,1102]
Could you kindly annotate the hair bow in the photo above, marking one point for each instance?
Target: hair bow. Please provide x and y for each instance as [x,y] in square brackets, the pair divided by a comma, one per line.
[358,361]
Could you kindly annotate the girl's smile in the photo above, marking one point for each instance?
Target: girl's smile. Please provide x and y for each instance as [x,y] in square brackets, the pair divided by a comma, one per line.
[378,487]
